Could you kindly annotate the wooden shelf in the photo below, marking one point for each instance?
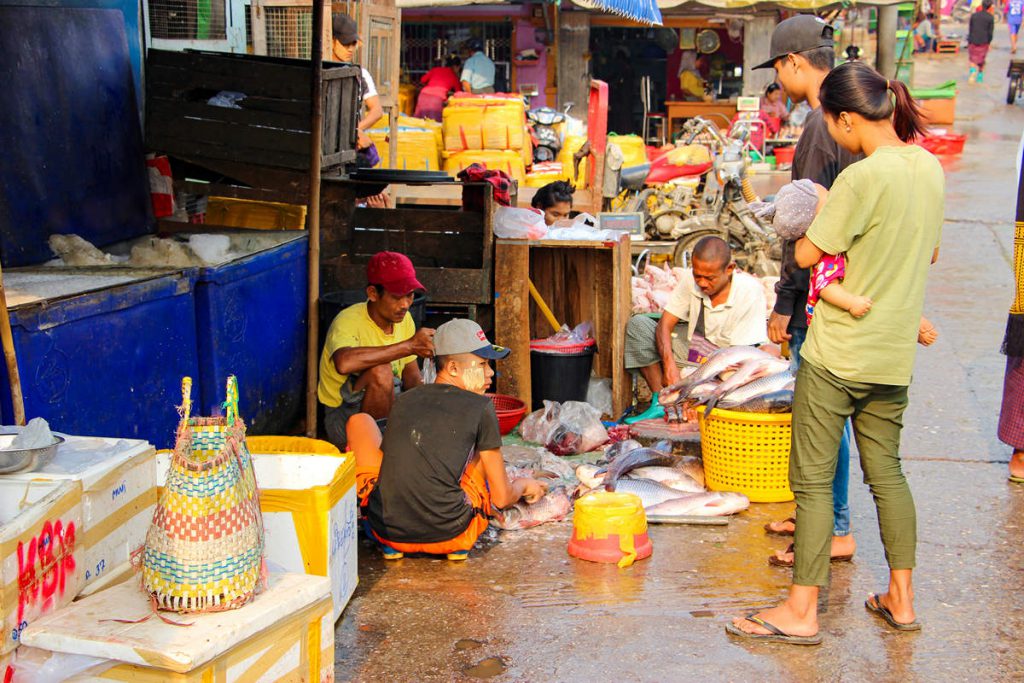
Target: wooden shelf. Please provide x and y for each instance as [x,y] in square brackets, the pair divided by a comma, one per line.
[580,282]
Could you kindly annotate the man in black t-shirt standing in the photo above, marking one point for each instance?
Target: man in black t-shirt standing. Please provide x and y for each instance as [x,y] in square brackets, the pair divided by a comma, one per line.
[441,468]
[803,54]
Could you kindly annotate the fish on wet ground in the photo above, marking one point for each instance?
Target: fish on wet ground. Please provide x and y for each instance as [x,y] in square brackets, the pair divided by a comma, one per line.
[554,506]
[640,457]
[649,492]
[708,504]
[676,477]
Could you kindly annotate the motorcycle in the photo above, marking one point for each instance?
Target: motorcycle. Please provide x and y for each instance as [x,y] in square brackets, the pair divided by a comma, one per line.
[725,212]
[547,141]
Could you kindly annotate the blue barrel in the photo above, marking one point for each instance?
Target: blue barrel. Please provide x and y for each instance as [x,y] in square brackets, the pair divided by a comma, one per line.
[251,322]
[107,362]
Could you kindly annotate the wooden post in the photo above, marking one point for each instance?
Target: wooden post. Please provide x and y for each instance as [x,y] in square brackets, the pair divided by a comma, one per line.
[10,357]
[757,35]
[885,56]
[313,215]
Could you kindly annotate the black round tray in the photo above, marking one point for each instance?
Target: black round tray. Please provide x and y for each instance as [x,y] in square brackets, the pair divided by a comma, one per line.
[387,175]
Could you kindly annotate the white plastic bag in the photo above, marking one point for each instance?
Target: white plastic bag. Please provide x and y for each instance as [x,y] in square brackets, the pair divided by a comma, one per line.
[565,429]
[513,223]
[599,395]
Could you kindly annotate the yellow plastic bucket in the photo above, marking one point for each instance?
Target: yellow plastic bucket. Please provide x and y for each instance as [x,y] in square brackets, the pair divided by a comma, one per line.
[610,527]
[296,445]
[747,453]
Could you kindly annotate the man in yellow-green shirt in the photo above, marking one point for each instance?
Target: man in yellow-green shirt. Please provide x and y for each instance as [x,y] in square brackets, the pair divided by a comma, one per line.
[371,348]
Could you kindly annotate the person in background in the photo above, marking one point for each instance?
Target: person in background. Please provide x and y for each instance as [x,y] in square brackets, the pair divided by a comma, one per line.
[478,69]
[554,200]
[690,81]
[371,348]
[437,84]
[980,31]
[924,33]
[1014,17]
[803,55]
[721,306]
[774,104]
[431,482]
[1011,413]
[346,42]
[885,213]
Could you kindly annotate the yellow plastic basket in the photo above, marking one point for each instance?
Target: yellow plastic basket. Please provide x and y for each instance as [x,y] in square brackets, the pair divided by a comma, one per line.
[747,453]
[297,445]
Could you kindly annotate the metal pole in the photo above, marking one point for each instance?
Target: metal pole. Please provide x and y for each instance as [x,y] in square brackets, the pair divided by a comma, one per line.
[885,57]
[313,222]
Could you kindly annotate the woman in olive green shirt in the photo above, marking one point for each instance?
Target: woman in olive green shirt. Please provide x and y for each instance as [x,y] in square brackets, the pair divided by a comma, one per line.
[885,213]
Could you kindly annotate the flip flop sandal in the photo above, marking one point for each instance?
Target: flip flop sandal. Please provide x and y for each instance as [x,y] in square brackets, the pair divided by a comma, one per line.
[774,560]
[776,635]
[774,532]
[1016,480]
[879,609]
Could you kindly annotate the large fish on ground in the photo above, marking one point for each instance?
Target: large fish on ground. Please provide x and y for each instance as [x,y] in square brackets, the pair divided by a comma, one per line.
[775,402]
[650,492]
[693,466]
[555,505]
[617,450]
[641,457]
[717,363]
[766,385]
[710,504]
[589,475]
[672,477]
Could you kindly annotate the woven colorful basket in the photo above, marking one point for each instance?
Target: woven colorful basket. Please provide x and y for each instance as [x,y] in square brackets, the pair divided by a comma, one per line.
[204,550]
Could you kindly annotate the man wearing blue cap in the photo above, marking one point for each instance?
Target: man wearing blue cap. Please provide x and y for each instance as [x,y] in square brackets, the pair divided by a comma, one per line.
[440,464]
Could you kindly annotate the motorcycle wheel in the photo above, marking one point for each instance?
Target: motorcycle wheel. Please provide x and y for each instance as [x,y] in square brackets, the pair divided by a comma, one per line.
[684,246]
[1011,94]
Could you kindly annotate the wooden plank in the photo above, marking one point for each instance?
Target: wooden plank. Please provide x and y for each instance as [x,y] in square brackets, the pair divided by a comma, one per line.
[622,383]
[511,311]
[236,191]
[332,104]
[166,226]
[202,153]
[243,137]
[452,285]
[421,220]
[166,107]
[436,250]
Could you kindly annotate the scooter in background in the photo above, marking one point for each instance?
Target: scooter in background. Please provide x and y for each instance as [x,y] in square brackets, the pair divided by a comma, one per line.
[547,141]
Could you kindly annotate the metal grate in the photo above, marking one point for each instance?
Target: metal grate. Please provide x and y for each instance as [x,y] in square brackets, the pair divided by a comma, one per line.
[289,31]
[187,19]
[424,44]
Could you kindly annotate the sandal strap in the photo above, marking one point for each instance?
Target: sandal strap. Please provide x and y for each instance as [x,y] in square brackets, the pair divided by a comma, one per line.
[764,624]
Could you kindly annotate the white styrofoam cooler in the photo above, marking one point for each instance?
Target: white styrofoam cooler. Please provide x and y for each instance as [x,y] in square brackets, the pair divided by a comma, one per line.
[118,479]
[309,513]
[40,552]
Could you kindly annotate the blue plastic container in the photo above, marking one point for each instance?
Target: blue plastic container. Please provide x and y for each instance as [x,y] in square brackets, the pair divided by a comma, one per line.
[105,362]
[251,322]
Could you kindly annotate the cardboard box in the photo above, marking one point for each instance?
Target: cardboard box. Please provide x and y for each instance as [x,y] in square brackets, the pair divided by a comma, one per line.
[285,634]
[938,112]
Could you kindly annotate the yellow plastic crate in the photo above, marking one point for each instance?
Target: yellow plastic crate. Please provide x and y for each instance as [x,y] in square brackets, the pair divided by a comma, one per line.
[747,453]
[496,160]
[251,213]
[634,151]
[290,445]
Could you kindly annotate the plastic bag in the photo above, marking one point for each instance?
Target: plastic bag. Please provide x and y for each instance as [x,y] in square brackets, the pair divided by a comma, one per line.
[565,428]
[513,223]
[429,372]
[599,395]
[573,337]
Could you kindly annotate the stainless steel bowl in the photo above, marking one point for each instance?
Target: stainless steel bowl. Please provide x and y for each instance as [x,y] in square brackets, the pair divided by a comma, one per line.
[25,459]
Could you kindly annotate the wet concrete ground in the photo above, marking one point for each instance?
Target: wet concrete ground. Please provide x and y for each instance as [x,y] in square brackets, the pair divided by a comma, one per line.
[524,607]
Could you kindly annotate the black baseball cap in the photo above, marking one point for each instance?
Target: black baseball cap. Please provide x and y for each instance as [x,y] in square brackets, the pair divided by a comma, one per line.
[798,34]
[344,29]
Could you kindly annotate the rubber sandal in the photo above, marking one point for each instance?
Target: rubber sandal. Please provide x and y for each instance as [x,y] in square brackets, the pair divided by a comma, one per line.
[1016,480]
[460,556]
[655,412]
[774,560]
[772,532]
[880,609]
[391,553]
[776,635]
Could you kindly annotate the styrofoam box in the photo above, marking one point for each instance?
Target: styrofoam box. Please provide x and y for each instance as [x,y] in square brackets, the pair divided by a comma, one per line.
[285,634]
[309,514]
[40,552]
[118,479]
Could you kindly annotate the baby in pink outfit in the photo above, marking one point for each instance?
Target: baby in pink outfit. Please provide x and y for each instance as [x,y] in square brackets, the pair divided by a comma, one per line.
[796,205]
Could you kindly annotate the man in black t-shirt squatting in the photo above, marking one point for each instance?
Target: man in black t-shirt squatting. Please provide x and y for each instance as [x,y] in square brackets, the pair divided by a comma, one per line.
[440,465]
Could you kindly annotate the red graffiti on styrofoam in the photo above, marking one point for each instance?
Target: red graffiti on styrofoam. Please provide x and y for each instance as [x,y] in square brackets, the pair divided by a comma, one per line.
[44,565]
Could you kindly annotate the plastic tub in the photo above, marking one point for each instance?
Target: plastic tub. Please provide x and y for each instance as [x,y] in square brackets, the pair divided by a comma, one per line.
[510,411]
[943,144]
[560,373]
[784,155]
[747,453]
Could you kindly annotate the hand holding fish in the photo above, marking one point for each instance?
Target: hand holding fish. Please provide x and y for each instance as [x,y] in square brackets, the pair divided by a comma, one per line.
[532,490]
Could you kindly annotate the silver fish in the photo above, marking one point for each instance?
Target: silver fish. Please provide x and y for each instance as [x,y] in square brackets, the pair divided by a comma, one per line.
[555,505]
[775,402]
[693,467]
[717,363]
[749,371]
[641,457]
[617,450]
[650,492]
[766,385]
[710,504]
[671,477]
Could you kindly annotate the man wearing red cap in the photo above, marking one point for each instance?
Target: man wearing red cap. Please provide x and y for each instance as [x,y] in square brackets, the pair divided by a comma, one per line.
[371,348]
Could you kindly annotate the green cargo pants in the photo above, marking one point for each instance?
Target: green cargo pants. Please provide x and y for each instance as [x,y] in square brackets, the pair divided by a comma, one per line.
[821,404]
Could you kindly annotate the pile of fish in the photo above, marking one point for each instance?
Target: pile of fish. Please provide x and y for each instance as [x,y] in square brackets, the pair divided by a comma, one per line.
[667,485]
[554,506]
[739,378]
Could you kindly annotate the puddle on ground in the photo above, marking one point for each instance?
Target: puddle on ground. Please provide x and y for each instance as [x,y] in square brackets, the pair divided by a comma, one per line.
[486,668]
[467,644]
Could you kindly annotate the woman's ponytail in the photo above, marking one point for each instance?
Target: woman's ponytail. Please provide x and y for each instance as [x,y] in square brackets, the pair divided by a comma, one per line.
[857,88]
[907,119]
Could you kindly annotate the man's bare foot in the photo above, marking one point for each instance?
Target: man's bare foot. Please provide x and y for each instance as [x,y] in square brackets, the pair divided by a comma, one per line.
[782,617]
[902,610]
[842,546]
[1017,464]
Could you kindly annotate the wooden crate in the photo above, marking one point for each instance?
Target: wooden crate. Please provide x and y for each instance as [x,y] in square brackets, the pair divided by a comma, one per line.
[580,282]
[272,128]
[452,248]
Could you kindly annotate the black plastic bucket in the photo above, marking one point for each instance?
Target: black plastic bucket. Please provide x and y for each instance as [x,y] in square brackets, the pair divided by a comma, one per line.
[561,376]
